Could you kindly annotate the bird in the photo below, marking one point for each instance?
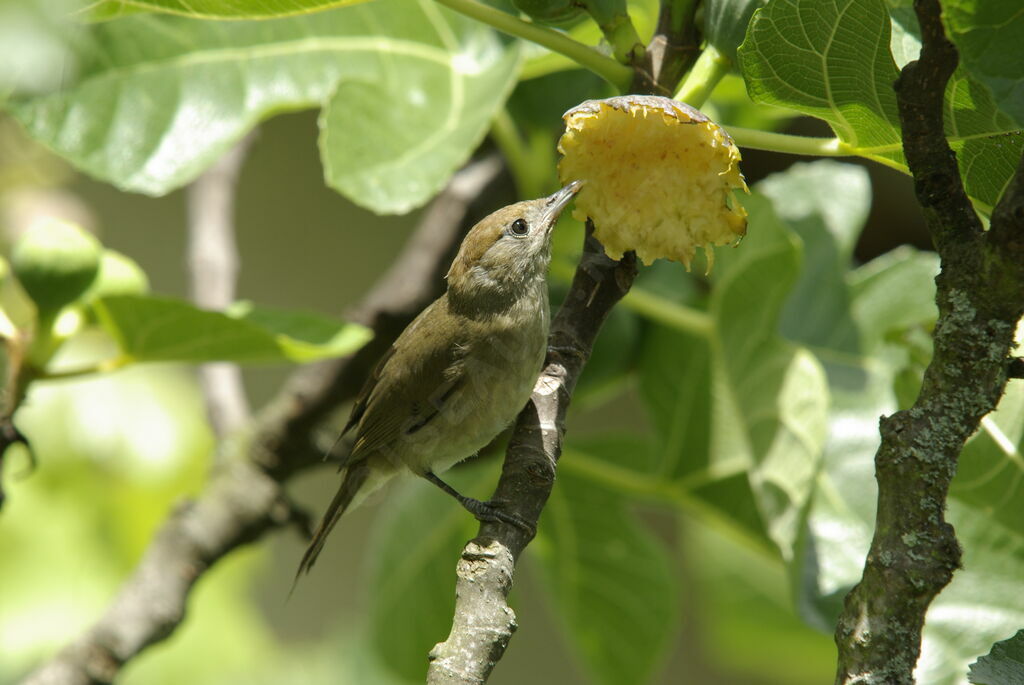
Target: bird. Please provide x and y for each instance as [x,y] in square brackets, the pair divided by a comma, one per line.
[461,372]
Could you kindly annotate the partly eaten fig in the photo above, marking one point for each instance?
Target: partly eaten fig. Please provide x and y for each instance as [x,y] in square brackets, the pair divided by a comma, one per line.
[660,177]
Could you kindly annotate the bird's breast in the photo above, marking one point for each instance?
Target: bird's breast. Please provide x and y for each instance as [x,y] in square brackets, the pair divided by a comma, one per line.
[498,368]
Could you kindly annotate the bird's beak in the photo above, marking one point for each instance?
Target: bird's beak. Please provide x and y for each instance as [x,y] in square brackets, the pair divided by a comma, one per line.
[557,202]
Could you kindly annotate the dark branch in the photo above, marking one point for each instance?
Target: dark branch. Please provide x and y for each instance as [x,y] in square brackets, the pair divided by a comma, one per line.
[914,552]
[213,272]
[674,47]
[244,499]
[483,620]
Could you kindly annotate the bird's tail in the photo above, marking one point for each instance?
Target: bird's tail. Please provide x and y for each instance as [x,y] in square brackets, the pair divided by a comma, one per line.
[355,476]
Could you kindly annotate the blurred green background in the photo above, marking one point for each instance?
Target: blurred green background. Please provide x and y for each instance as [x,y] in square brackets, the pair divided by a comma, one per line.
[117,453]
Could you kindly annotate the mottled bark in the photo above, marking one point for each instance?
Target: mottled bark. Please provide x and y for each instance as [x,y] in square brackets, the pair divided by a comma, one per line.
[980,296]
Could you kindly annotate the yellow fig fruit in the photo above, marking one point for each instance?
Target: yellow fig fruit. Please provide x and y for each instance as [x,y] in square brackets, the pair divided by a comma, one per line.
[660,178]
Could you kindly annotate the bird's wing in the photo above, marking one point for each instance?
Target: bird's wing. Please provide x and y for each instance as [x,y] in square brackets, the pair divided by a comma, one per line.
[412,384]
[363,398]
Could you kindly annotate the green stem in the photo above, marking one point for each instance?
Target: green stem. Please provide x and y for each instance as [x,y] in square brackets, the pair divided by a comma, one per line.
[618,29]
[680,13]
[607,68]
[782,142]
[654,307]
[710,68]
[627,481]
[666,312]
[618,478]
[102,367]
[513,147]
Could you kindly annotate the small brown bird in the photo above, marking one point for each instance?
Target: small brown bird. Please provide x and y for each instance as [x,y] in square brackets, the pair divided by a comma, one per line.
[462,370]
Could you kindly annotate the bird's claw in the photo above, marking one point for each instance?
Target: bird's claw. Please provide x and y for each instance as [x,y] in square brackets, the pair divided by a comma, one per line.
[492,512]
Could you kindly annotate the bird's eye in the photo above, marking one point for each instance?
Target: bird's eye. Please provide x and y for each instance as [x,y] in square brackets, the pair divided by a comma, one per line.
[519,227]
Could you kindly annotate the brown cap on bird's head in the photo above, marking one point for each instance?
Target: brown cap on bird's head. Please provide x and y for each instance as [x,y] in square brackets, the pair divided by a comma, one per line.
[510,246]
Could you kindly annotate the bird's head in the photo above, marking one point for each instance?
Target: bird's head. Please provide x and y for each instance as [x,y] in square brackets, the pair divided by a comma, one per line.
[510,248]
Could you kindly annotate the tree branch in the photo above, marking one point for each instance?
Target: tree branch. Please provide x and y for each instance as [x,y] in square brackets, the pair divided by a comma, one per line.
[244,499]
[213,271]
[914,551]
[484,622]
[675,45]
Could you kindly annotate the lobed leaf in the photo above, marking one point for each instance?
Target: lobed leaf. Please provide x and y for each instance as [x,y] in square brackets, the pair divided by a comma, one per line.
[592,548]
[983,603]
[834,61]
[988,36]
[213,9]
[161,97]
[416,543]
[769,396]
[149,328]
[1002,665]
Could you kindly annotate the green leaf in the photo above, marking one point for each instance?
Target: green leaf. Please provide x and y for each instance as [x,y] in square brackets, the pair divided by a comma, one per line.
[836,528]
[988,36]
[614,354]
[413,130]
[592,549]
[741,416]
[769,396]
[213,9]
[893,293]
[887,296]
[826,203]
[150,328]
[829,60]
[990,476]
[37,42]
[1003,665]
[675,382]
[163,97]
[833,61]
[725,23]
[906,32]
[416,545]
[983,603]
[985,139]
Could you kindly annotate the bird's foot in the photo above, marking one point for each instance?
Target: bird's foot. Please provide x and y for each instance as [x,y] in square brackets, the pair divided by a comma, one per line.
[492,511]
[483,511]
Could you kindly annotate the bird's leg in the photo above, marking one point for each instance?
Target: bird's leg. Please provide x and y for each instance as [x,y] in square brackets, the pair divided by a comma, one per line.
[483,511]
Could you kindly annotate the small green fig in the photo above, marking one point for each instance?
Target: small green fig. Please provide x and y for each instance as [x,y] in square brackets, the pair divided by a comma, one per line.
[55,262]
[119,275]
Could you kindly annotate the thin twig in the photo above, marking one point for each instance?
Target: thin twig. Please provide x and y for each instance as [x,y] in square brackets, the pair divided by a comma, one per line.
[244,499]
[674,47]
[914,552]
[213,273]
[484,622]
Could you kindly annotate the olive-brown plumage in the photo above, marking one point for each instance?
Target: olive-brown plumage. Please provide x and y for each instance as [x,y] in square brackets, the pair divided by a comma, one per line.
[463,369]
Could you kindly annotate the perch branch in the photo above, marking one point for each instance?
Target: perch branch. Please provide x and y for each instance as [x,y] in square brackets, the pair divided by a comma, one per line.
[213,274]
[914,552]
[484,622]
[244,499]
